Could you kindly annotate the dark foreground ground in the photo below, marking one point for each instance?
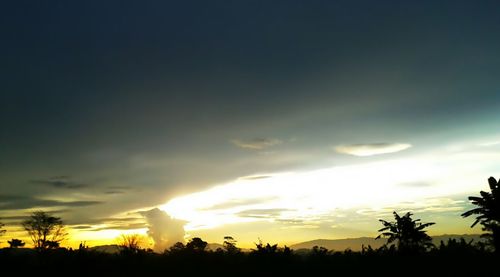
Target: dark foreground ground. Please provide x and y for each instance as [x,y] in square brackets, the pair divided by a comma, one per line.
[89,263]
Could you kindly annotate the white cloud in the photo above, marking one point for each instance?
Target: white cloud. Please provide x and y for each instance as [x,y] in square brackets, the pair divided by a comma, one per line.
[370,149]
[256,143]
[164,230]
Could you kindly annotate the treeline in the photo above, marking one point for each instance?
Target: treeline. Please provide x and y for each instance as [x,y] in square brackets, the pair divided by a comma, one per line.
[454,257]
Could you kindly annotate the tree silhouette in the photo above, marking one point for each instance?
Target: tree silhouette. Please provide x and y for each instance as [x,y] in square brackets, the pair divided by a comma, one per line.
[2,231]
[178,247]
[196,245]
[266,249]
[319,251]
[15,243]
[230,245]
[488,212]
[45,230]
[409,234]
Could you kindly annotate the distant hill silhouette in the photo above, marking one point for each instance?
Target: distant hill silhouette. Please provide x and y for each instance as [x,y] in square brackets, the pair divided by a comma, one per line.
[214,246]
[110,249]
[356,243]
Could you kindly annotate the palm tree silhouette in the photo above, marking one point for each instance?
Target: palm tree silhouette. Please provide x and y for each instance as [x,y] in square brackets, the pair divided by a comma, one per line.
[488,212]
[409,234]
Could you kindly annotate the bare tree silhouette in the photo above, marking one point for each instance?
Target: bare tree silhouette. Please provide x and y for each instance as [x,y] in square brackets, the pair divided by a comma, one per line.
[409,234]
[488,212]
[130,243]
[45,230]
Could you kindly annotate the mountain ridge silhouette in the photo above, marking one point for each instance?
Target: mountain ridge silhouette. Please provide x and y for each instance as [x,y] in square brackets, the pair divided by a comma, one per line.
[356,244]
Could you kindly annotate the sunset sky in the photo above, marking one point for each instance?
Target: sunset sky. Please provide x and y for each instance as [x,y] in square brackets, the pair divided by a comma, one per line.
[280,120]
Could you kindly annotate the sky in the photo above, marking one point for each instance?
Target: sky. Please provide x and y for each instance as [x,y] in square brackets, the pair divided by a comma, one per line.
[284,121]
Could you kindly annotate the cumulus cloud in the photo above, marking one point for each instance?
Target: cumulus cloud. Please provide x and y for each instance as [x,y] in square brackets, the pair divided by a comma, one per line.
[370,149]
[164,230]
[256,143]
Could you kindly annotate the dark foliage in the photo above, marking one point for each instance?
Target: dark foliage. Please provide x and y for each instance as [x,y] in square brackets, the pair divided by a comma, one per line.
[2,231]
[196,245]
[407,232]
[487,212]
[454,257]
[15,243]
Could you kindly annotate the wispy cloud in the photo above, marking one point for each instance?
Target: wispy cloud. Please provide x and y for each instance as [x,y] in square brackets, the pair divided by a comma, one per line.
[257,177]
[419,184]
[117,189]
[491,143]
[109,221]
[234,203]
[429,205]
[81,227]
[63,182]
[130,226]
[370,149]
[16,202]
[256,143]
[262,213]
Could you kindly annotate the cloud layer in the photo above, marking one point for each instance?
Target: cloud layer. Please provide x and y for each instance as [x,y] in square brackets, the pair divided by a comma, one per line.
[371,149]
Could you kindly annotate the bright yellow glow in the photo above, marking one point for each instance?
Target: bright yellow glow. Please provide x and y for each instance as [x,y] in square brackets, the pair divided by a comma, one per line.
[422,182]
[93,238]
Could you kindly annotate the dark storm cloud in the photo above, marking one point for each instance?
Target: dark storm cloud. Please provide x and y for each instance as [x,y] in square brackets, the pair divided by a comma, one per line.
[145,95]
[143,70]
[15,202]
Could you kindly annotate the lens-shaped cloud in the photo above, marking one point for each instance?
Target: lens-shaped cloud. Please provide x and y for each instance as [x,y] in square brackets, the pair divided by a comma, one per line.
[256,143]
[370,149]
